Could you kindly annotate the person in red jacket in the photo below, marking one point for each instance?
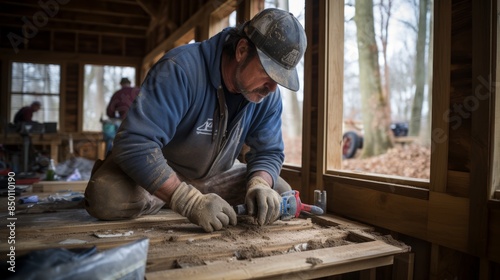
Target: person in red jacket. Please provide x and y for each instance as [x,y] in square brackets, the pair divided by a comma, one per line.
[117,111]
[122,100]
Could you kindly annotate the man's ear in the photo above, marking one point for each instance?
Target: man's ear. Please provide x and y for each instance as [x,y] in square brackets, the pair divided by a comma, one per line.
[241,50]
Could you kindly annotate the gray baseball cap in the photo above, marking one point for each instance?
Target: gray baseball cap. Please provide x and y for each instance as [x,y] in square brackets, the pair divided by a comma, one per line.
[281,42]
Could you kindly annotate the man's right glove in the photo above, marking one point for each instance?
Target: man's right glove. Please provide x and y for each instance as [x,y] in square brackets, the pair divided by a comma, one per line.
[209,211]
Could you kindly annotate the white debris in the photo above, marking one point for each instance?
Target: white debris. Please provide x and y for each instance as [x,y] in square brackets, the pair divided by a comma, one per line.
[73,241]
[103,235]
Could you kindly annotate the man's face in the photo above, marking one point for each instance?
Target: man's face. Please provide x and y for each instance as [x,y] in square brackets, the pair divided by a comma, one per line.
[252,80]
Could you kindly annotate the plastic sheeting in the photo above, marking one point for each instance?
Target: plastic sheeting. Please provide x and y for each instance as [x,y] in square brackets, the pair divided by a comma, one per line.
[126,262]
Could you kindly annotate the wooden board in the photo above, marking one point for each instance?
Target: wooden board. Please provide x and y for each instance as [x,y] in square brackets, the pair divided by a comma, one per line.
[300,265]
[58,186]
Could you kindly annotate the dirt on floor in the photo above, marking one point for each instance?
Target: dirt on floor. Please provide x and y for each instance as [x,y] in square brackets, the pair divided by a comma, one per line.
[409,160]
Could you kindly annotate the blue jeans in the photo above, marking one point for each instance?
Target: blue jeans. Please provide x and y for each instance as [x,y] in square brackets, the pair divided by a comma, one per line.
[109,129]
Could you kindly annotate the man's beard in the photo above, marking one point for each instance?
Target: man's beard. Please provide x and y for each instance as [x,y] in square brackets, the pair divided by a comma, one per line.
[262,91]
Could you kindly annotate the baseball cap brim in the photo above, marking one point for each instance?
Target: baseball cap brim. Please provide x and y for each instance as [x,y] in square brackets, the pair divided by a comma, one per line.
[287,78]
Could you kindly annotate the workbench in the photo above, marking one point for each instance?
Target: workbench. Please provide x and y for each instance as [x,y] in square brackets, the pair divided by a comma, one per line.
[52,141]
[58,144]
[305,247]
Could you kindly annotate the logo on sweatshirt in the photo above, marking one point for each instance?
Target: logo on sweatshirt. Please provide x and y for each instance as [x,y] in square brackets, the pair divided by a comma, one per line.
[205,128]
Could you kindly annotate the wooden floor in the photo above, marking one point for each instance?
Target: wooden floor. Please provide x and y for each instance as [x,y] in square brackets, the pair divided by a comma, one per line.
[308,247]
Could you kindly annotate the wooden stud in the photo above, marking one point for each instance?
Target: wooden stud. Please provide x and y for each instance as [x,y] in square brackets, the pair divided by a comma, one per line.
[482,93]
[440,95]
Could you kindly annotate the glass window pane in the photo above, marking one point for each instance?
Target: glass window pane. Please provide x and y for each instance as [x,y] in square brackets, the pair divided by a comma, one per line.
[386,127]
[49,112]
[292,101]
[35,78]
[36,82]
[100,82]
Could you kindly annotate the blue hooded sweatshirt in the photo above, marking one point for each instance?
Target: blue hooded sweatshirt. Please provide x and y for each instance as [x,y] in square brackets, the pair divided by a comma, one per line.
[178,122]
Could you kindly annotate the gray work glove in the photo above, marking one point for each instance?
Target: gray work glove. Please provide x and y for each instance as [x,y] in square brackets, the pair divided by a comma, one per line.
[209,211]
[262,201]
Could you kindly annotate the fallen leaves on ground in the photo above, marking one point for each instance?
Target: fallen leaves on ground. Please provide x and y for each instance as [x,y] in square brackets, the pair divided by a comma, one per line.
[410,160]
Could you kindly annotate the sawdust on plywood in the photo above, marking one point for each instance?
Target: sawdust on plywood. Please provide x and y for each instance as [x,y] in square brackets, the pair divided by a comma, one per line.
[247,240]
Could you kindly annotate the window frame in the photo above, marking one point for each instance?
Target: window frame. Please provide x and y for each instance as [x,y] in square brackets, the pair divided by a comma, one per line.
[331,67]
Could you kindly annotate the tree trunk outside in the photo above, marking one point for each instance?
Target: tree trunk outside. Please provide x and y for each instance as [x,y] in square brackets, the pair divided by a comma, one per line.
[418,99]
[385,15]
[425,134]
[376,121]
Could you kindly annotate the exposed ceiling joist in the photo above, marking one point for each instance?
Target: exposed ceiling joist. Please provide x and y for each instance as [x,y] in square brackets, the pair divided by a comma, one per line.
[130,9]
[20,15]
[151,7]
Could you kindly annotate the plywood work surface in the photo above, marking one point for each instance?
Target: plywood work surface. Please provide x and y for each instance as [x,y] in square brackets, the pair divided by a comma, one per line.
[310,247]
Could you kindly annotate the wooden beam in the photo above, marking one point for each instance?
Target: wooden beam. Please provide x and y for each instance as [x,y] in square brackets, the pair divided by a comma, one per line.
[482,128]
[448,221]
[459,182]
[79,221]
[334,261]
[494,231]
[387,186]
[248,9]
[219,18]
[495,180]
[403,267]
[58,186]
[38,17]
[334,91]
[390,179]
[73,27]
[151,7]
[194,21]
[399,213]
[440,95]
[128,9]
[334,221]
[58,57]
[307,122]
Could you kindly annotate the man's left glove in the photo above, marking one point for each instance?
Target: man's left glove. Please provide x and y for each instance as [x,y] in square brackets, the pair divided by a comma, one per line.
[262,200]
[209,211]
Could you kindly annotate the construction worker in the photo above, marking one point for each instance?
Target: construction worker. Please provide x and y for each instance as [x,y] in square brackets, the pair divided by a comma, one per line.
[25,114]
[121,100]
[117,110]
[198,105]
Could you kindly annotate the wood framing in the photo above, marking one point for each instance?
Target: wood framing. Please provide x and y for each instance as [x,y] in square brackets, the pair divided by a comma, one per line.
[481,96]
[495,167]
[334,87]
[440,95]
[200,17]
[247,9]
[306,169]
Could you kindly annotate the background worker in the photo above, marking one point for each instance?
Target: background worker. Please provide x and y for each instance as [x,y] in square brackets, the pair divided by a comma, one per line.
[121,100]
[116,110]
[198,105]
[25,114]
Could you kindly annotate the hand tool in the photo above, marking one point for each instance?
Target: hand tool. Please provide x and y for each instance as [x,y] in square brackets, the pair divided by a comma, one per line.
[290,206]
